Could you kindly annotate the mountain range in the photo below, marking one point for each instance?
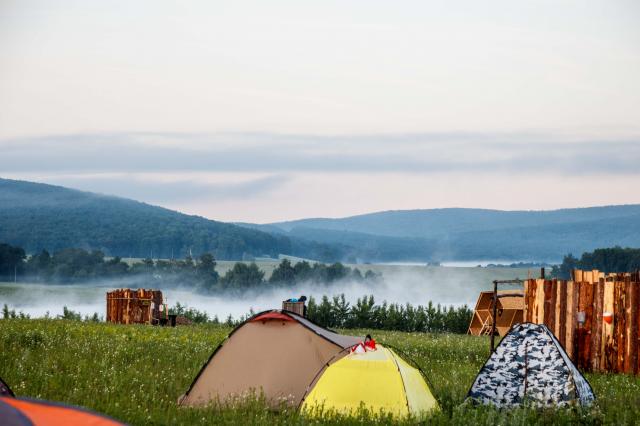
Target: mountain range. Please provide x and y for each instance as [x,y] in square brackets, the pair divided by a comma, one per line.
[39,216]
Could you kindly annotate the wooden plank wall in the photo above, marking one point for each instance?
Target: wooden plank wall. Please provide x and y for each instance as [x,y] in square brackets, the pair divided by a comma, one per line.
[127,306]
[295,307]
[575,311]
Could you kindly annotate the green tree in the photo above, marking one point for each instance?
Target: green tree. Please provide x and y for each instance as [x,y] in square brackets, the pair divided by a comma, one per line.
[361,314]
[206,271]
[11,261]
[340,310]
[242,277]
[283,274]
[302,271]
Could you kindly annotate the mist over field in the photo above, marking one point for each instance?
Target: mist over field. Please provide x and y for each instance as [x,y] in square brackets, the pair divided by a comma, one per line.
[415,284]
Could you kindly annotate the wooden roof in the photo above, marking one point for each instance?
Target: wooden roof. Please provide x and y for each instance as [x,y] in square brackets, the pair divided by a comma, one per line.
[512,302]
[486,298]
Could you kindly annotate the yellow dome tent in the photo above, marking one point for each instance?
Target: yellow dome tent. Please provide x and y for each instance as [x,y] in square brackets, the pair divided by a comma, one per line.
[378,381]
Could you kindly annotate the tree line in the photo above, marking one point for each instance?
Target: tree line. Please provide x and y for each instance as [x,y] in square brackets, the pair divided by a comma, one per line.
[287,274]
[365,313]
[75,265]
[67,314]
[336,312]
[614,259]
[333,312]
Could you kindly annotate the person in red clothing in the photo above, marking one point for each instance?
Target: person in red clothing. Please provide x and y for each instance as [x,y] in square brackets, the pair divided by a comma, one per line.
[369,343]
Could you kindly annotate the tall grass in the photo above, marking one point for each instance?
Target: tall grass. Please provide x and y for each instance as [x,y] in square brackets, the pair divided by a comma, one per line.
[137,373]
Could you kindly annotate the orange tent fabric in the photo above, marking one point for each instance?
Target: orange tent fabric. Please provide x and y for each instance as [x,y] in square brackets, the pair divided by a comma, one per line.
[272,315]
[18,412]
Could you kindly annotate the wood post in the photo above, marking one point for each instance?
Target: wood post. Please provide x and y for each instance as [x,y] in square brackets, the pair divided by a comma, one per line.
[562,318]
[525,308]
[570,319]
[495,314]
[586,313]
[620,323]
[549,308]
[596,329]
[633,325]
[607,326]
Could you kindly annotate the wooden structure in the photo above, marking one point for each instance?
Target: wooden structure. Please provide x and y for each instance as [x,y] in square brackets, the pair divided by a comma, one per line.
[509,311]
[127,306]
[295,307]
[594,316]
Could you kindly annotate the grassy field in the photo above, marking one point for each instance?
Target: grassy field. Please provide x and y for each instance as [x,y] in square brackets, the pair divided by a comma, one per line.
[136,374]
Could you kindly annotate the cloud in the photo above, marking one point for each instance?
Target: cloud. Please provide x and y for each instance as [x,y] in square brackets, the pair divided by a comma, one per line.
[172,190]
[281,154]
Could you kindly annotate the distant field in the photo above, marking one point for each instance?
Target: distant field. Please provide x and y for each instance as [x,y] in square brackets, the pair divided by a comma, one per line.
[428,271]
[224,265]
[136,374]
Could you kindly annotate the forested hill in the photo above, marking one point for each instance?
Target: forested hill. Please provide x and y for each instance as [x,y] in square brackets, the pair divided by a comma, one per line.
[472,234]
[38,216]
[439,223]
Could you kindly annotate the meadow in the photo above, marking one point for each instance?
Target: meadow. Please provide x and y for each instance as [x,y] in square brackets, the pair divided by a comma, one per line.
[136,374]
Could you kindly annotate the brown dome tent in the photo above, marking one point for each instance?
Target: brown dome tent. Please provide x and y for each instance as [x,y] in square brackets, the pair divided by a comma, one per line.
[276,353]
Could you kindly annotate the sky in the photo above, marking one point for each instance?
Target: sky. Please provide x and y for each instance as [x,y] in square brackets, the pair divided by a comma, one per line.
[258,111]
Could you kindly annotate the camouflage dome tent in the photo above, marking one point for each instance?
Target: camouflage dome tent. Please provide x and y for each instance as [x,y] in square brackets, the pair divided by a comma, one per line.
[530,365]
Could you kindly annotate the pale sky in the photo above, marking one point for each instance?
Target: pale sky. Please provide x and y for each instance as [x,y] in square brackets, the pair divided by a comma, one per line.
[271,110]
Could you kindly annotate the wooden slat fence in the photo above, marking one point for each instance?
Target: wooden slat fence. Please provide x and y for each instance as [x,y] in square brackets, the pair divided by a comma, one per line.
[594,316]
[127,306]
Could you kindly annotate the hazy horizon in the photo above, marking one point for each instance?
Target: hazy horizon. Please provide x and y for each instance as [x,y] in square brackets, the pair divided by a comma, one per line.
[472,263]
[239,111]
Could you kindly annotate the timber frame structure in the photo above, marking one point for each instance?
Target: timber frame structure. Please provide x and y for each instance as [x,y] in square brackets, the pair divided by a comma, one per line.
[509,311]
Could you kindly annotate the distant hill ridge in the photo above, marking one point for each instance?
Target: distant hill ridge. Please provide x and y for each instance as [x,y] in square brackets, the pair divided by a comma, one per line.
[429,223]
[37,216]
[474,234]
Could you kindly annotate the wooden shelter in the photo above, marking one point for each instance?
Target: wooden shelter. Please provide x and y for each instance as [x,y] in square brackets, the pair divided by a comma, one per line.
[127,306]
[509,311]
[596,317]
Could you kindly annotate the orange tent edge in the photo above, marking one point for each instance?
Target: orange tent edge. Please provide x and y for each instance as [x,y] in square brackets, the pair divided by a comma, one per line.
[53,414]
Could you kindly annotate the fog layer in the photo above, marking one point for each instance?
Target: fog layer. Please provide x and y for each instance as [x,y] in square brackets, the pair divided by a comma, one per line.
[402,284]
